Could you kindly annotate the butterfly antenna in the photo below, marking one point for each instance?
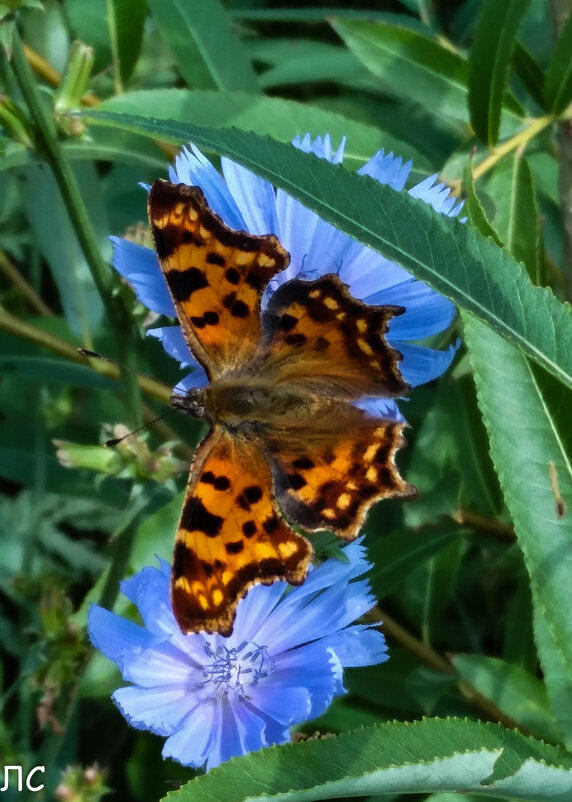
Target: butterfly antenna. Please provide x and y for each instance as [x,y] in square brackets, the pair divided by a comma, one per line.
[94,355]
[116,440]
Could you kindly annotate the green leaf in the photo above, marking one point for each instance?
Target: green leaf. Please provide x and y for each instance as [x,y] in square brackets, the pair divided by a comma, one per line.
[530,73]
[307,60]
[51,370]
[128,20]
[410,65]
[524,234]
[413,66]
[473,206]
[489,62]
[114,30]
[423,756]
[279,118]
[527,416]
[58,243]
[519,647]
[395,556]
[517,220]
[558,82]
[451,257]
[556,673]
[400,687]
[323,14]
[121,149]
[515,691]
[208,54]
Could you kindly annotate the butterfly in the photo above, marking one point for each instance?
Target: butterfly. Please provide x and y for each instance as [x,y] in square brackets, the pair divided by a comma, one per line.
[288,449]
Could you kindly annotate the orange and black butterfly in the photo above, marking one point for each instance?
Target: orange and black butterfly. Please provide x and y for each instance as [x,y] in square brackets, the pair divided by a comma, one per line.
[288,449]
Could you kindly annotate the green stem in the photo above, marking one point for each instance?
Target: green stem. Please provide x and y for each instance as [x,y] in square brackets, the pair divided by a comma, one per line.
[119,564]
[48,140]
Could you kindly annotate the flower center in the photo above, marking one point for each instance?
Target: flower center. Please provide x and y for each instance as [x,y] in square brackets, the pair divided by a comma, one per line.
[233,670]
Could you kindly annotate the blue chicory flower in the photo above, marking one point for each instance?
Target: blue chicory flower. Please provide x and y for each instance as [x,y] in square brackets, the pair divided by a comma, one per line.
[213,697]
[245,201]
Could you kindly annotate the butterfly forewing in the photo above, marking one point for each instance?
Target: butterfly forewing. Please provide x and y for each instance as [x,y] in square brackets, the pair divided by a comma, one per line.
[216,276]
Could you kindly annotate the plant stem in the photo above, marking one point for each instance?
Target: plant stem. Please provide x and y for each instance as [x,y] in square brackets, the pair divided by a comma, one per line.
[48,140]
[481,523]
[522,138]
[430,657]
[18,280]
[52,76]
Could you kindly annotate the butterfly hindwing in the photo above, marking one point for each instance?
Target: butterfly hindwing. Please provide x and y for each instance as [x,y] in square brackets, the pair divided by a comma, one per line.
[230,535]
[331,482]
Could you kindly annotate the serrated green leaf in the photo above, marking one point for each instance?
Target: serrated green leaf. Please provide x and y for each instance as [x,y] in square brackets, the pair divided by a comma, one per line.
[558,82]
[277,117]
[556,673]
[515,691]
[451,257]
[424,756]
[524,410]
[489,62]
[208,54]
[411,65]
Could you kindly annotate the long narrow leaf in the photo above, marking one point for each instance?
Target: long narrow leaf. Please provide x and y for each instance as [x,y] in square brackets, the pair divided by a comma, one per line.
[208,54]
[527,416]
[489,62]
[558,83]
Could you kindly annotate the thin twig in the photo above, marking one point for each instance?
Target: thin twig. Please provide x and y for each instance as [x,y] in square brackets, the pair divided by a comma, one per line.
[488,526]
[51,76]
[18,280]
[433,659]
[34,334]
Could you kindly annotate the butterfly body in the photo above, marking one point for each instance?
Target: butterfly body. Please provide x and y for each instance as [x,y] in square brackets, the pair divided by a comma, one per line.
[288,446]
